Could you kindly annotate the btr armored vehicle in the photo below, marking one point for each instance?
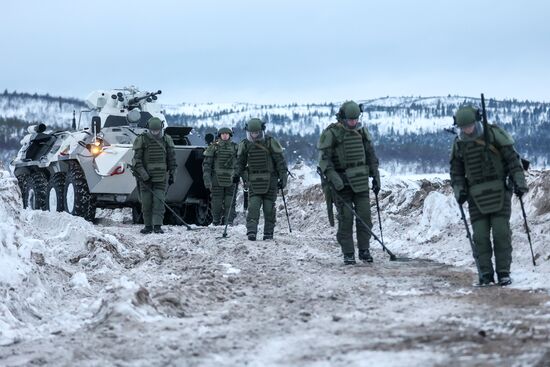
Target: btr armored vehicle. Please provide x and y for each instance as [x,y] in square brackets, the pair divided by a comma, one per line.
[86,167]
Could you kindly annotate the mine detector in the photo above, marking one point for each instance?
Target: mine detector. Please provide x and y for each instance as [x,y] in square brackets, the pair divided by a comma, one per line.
[81,169]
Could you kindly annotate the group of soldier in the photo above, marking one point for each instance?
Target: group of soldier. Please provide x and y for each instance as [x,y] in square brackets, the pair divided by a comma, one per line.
[484,166]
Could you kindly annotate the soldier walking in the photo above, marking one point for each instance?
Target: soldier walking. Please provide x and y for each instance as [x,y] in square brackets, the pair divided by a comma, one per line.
[261,157]
[154,159]
[217,167]
[484,173]
[347,158]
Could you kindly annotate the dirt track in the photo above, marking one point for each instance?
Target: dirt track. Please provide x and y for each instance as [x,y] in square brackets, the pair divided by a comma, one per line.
[288,302]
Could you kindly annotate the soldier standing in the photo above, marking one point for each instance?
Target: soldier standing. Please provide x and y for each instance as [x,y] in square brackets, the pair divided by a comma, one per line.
[154,157]
[217,167]
[479,173]
[347,158]
[261,157]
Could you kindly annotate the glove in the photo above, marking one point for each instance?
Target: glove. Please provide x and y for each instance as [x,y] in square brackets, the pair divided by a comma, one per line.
[336,180]
[144,175]
[520,190]
[236,179]
[461,196]
[171,179]
[375,185]
[281,183]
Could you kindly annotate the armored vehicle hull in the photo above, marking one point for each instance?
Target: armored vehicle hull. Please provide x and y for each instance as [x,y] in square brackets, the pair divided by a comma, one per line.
[80,171]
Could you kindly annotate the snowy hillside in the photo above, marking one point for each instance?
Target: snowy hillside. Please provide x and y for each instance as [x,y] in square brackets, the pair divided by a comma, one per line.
[78,293]
[408,131]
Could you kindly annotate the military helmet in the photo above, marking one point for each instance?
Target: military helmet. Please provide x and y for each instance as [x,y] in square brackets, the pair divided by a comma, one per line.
[349,110]
[466,116]
[255,124]
[225,130]
[154,123]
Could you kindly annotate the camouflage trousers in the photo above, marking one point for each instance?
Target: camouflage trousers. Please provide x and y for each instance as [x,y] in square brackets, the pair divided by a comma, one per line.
[265,201]
[497,224]
[221,202]
[151,207]
[360,202]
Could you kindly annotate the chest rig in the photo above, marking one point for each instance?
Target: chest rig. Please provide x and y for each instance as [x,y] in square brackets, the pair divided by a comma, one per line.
[223,163]
[485,175]
[154,158]
[350,158]
[260,166]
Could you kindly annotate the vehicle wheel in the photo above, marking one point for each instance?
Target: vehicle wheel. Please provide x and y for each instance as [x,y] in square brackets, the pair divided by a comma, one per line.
[34,191]
[137,215]
[54,193]
[77,199]
[203,216]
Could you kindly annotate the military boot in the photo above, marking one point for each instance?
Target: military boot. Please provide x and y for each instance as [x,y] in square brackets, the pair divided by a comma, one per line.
[349,259]
[268,236]
[504,279]
[146,230]
[365,256]
[486,280]
[251,236]
[157,229]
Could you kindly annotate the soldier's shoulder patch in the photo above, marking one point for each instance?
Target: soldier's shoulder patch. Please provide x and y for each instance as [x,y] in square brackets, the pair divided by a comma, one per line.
[366,133]
[209,152]
[275,145]
[138,143]
[169,141]
[502,137]
[326,139]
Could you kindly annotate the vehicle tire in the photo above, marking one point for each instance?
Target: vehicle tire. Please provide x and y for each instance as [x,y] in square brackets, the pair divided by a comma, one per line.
[203,215]
[54,193]
[34,191]
[137,215]
[77,199]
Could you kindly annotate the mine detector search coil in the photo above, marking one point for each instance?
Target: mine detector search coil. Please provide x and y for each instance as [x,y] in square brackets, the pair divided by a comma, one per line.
[138,177]
[325,181]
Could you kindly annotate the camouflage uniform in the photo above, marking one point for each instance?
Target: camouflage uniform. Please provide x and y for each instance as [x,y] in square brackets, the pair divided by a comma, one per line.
[485,176]
[347,158]
[261,158]
[154,157]
[217,167]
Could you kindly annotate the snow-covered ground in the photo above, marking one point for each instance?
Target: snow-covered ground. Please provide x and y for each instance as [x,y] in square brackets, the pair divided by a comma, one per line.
[76,293]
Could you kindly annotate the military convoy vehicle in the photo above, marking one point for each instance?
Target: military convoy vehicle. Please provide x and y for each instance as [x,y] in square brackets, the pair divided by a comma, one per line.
[86,167]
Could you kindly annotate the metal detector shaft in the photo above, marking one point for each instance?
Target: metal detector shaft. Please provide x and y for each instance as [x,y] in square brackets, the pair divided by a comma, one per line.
[379,219]
[335,192]
[469,235]
[527,229]
[286,210]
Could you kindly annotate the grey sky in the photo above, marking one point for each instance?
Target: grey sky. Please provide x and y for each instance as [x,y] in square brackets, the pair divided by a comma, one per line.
[277,51]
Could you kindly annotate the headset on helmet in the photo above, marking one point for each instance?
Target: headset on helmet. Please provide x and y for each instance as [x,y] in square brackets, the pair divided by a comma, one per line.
[254,123]
[349,110]
[154,120]
[467,113]
[224,130]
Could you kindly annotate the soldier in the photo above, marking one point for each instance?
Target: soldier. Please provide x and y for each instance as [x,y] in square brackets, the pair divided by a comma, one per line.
[261,157]
[154,156]
[347,158]
[217,167]
[479,175]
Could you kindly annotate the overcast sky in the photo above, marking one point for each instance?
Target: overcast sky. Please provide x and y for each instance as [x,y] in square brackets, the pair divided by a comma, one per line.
[277,51]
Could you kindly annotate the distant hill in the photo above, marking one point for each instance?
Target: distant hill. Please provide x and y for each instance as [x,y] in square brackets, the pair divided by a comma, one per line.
[408,131]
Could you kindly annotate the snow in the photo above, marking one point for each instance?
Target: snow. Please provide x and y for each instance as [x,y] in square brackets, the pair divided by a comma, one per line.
[78,293]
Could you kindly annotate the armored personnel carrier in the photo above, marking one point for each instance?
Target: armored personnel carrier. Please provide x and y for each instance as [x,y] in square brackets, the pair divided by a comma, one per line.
[85,168]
